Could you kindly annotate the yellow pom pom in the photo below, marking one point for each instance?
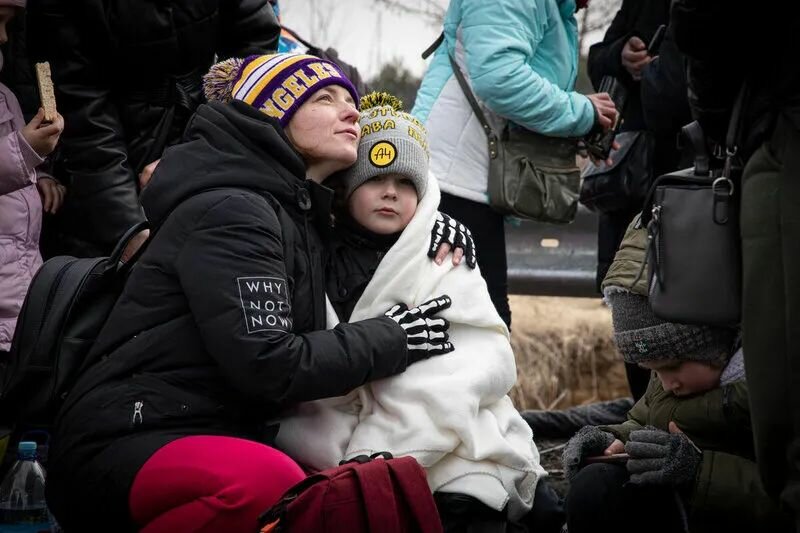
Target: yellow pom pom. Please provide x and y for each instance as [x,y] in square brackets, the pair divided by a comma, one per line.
[218,83]
[380,99]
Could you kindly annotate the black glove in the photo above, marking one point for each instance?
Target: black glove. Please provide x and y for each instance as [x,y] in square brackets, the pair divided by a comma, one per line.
[588,441]
[448,230]
[427,335]
[661,458]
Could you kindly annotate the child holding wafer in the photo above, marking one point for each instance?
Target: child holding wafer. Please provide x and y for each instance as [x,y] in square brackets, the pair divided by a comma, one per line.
[25,191]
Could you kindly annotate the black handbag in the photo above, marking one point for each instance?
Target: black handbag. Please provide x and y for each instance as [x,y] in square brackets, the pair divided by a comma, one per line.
[623,185]
[694,247]
[531,176]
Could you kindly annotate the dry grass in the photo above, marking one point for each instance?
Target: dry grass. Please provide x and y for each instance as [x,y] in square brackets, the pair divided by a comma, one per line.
[565,353]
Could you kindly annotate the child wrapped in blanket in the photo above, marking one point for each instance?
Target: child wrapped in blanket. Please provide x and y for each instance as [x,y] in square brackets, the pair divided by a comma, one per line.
[451,412]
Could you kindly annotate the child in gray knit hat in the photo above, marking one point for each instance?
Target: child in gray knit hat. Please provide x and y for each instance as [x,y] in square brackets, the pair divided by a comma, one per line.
[685,455]
[390,176]
[376,198]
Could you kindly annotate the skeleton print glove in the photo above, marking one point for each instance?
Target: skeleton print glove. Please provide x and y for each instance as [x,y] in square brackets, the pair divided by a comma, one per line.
[427,334]
[448,230]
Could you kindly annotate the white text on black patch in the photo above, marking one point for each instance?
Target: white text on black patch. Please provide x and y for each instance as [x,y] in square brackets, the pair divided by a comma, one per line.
[265,303]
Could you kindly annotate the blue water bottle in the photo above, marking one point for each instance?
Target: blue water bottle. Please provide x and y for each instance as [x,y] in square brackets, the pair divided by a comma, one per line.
[22,505]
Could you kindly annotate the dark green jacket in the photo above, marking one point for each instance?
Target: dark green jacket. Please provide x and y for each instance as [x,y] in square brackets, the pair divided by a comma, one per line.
[727,489]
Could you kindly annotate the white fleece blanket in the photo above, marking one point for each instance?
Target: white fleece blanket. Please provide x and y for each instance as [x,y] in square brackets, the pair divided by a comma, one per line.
[450,412]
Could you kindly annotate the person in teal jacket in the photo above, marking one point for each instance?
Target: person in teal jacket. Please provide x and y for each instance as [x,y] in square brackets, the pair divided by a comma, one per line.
[521,59]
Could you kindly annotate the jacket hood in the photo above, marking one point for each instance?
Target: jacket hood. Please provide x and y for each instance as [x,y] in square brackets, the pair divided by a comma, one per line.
[227,145]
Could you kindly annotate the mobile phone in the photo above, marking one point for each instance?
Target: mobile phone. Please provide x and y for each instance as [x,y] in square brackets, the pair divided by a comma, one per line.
[655,42]
[613,458]
[599,144]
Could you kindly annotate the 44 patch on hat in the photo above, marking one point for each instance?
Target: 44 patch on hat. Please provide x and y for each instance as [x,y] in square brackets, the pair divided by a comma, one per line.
[382,154]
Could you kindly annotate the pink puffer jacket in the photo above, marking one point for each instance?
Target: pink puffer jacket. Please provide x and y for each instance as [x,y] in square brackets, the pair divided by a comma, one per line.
[20,214]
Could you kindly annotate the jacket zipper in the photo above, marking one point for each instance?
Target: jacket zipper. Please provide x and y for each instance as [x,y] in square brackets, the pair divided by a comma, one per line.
[137,418]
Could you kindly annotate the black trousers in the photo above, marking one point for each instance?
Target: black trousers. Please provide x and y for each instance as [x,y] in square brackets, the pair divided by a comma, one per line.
[464,514]
[770,227]
[599,501]
[488,231]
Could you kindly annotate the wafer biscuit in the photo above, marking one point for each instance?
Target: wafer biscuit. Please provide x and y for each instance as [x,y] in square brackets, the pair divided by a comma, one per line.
[46,92]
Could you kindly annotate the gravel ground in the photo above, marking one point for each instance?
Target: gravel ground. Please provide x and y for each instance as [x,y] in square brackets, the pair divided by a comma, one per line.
[550,451]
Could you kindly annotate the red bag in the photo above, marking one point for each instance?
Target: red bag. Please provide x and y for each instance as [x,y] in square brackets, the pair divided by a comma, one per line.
[364,495]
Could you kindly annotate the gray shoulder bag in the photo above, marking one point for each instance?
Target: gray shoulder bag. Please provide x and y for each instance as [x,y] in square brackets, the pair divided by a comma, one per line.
[694,247]
[531,176]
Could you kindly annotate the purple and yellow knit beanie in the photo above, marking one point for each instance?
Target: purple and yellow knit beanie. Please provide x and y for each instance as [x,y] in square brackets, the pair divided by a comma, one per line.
[275,84]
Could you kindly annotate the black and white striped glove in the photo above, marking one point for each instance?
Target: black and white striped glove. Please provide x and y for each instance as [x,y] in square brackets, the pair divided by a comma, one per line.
[447,230]
[426,333]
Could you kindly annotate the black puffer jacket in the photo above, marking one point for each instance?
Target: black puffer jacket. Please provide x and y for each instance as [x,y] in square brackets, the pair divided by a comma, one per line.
[127,78]
[354,254]
[206,338]
[718,64]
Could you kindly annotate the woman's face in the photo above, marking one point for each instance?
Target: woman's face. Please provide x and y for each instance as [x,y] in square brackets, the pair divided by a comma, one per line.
[325,131]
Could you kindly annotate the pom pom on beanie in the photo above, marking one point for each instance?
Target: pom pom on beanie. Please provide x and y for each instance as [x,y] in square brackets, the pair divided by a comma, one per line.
[219,81]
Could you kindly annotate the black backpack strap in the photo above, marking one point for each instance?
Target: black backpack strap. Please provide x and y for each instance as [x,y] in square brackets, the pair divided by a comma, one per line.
[35,305]
[115,258]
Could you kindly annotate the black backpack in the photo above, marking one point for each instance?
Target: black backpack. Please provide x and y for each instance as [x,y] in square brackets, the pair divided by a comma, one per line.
[67,304]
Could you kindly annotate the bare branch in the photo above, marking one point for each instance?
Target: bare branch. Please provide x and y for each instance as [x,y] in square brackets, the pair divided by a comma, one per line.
[431,10]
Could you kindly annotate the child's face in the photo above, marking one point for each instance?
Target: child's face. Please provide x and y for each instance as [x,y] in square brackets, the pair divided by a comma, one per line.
[384,204]
[6,14]
[684,378]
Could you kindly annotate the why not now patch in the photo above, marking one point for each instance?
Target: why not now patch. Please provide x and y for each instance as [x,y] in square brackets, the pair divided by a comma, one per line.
[265,303]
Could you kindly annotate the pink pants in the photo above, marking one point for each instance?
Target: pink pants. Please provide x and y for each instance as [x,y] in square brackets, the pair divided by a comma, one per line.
[208,483]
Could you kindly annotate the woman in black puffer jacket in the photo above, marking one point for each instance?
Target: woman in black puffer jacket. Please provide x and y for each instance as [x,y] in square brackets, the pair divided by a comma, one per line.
[221,324]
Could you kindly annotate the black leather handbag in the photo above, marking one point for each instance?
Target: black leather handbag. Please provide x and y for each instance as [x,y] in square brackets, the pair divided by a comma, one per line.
[623,185]
[694,247]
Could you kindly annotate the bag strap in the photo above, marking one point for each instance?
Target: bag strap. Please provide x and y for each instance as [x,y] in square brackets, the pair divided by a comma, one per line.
[434,45]
[473,103]
[116,254]
[377,491]
[409,475]
[734,137]
[274,514]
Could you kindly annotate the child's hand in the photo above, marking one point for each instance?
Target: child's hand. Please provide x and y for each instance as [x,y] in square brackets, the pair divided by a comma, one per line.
[43,138]
[147,173]
[661,458]
[588,441]
[449,234]
[52,194]
[616,447]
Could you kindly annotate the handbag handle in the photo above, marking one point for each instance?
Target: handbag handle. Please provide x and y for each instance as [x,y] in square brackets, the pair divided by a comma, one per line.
[473,103]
